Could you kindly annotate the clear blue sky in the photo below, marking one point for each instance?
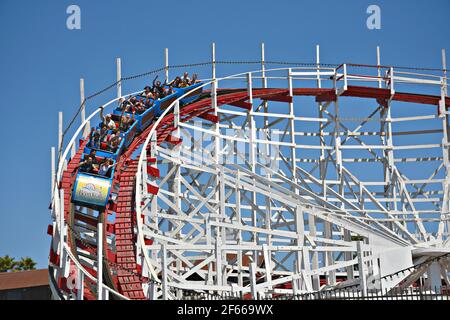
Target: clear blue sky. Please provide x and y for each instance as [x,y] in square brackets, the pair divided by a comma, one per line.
[41,62]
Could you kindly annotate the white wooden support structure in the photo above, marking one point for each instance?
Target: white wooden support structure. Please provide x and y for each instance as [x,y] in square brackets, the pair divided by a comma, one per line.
[61,228]
[216,159]
[391,81]
[219,262]
[380,81]
[263,67]
[100,261]
[345,77]
[119,77]
[80,285]
[341,176]
[267,264]
[322,170]
[154,199]
[60,131]
[361,268]
[166,64]
[252,153]
[164,269]
[87,128]
[239,238]
[434,277]
[445,152]
[52,166]
[253,280]
[213,61]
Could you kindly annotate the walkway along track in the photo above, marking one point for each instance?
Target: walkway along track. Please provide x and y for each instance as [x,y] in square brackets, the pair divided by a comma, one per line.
[121,271]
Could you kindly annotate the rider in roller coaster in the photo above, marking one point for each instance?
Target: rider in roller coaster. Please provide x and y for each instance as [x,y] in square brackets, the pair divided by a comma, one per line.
[109,134]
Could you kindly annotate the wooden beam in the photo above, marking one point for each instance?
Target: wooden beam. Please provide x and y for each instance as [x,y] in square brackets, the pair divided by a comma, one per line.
[242,104]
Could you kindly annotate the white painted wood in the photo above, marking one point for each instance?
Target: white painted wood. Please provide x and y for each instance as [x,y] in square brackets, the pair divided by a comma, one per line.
[100,261]
[60,131]
[119,77]
[166,64]
[228,215]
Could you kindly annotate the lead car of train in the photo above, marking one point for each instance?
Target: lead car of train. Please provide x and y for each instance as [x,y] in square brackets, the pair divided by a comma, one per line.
[93,190]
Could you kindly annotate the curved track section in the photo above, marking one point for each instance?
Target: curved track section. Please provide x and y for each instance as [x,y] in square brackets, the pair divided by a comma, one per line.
[260,192]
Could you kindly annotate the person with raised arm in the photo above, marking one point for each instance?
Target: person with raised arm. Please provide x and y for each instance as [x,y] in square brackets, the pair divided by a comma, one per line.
[105,167]
[125,122]
[186,78]
[87,165]
[157,87]
[194,79]
[106,120]
[175,82]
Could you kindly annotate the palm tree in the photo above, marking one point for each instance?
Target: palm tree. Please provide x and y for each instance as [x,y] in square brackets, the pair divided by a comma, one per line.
[7,263]
[26,264]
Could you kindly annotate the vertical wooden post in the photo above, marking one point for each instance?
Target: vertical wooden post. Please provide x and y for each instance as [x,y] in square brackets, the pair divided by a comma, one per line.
[60,131]
[119,77]
[53,169]
[213,56]
[322,171]
[166,64]
[361,268]
[73,150]
[444,68]
[61,227]
[267,147]
[319,82]
[218,258]
[345,77]
[267,263]
[252,155]
[391,71]
[83,106]
[80,285]
[164,272]
[263,66]
[445,140]
[378,64]
[83,109]
[253,280]
[100,261]
[239,232]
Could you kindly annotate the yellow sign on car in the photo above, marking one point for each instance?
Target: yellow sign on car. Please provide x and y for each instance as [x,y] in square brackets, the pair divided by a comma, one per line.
[91,190]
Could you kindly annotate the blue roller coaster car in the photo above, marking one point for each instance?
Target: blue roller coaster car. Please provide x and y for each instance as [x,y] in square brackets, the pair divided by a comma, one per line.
[93,190]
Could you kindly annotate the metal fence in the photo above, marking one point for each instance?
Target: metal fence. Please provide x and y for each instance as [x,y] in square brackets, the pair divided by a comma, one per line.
[411,293]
